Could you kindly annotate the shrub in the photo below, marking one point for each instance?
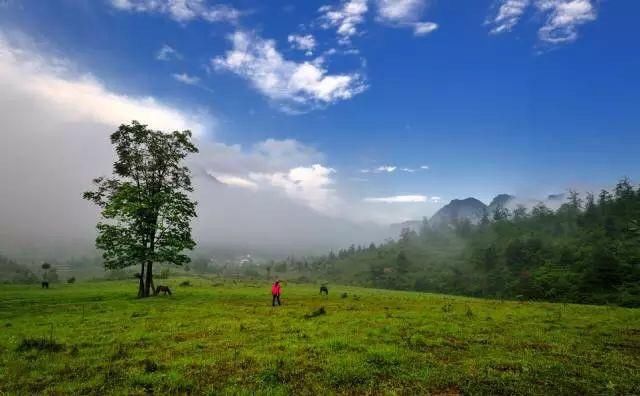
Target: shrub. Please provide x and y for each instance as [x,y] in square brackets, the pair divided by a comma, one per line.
[469,312]
[39,344]
[150,366]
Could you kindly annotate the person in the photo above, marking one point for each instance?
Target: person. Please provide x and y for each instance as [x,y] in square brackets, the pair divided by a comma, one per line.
[275,293]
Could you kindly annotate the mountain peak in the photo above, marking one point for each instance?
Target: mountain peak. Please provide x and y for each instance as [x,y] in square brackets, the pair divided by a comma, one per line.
[470,209]
[500,200]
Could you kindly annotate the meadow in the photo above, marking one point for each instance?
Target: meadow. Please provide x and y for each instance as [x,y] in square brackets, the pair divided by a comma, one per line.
[215,336]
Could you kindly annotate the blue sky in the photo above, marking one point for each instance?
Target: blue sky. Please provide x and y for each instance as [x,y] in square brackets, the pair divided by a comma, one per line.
[529,97]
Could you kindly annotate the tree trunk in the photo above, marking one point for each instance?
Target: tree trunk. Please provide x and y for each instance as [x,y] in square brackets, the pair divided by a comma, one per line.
[148,289]
[141,284]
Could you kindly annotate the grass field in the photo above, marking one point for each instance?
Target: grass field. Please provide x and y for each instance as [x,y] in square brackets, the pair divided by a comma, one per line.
[217,337]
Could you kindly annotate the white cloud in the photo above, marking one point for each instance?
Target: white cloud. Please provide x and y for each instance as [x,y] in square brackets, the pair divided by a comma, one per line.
[83,97]
[424,28]
[278,166]
[509,14]
[295,86]
[186,79]
[400,11]
[268,156]
[344,18]
[235,181]
[393,168]
[181,10]
[304,43]
[562,17]
[405,13]
[399,199]
[284,153]
[310,185]
[386,168]
[167,53]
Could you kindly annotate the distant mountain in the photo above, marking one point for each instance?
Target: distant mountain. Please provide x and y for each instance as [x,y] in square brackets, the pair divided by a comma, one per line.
[471,209]
[458,209]
[500,201]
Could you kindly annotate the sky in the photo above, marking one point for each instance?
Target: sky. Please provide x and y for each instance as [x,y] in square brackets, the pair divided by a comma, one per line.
[318,115]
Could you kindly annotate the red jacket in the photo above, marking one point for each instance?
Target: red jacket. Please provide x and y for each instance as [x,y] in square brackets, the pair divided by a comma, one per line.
[275,289]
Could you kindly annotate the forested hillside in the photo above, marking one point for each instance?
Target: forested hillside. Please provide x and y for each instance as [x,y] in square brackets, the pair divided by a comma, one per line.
[10,271]
[587,251]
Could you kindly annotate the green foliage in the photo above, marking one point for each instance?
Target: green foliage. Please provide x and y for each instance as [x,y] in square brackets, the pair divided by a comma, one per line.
[587,251]
[12,272]
[146,209]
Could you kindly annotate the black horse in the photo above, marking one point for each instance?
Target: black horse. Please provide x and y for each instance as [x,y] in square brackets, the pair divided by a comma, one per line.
[45,284]
[162,289]
[324,290]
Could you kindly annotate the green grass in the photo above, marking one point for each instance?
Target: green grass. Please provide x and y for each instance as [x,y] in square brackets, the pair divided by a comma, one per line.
[217,337]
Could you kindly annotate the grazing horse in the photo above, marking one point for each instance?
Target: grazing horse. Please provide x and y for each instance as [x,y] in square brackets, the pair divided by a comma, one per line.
[324,290]
[163,289]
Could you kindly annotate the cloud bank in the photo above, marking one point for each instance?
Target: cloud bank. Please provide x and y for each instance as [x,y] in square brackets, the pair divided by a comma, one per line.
[274,195]
[181,10]
[399,199]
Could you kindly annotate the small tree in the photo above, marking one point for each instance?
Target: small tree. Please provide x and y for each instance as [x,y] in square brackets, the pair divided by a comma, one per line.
[146,209]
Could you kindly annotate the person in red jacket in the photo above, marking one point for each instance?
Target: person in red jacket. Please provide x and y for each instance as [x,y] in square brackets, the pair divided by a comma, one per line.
[275,293]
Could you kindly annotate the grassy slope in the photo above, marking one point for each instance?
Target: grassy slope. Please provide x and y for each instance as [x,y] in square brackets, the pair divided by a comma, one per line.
[225,338]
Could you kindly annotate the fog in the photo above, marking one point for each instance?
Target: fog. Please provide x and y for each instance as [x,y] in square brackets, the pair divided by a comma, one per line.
[274,197]
[55,140]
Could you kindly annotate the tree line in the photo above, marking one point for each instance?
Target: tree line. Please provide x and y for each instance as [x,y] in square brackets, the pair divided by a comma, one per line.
[586,251]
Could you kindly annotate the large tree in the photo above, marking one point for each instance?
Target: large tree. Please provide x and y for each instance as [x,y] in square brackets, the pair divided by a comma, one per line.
[146,208]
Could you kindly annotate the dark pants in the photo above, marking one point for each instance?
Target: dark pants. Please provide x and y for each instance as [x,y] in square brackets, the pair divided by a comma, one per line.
[276,298]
